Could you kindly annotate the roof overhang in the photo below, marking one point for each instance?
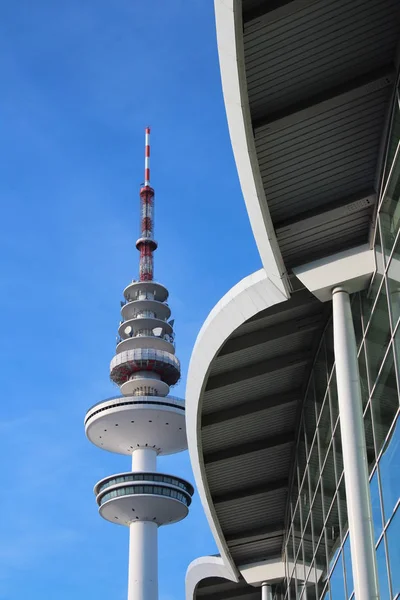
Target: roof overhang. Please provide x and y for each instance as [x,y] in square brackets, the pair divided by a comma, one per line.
[307,88]
[250,296]
[244,387]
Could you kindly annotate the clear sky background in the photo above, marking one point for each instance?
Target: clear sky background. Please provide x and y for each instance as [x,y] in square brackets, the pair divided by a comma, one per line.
[80,79]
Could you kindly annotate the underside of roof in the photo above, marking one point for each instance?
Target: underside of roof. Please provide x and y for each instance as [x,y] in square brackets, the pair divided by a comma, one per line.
[249,419]
[319,77]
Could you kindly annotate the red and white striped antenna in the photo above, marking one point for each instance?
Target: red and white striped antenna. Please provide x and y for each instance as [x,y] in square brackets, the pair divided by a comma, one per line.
[146,243]
[147,157]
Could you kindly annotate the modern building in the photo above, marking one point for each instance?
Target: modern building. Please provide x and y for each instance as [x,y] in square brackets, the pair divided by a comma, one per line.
[292,403]
[144,422]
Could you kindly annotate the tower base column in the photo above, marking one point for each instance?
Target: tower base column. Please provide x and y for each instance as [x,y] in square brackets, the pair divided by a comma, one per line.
[143,561]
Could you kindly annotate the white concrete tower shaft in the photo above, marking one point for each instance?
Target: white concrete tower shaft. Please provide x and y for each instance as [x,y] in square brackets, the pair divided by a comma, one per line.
[143,561]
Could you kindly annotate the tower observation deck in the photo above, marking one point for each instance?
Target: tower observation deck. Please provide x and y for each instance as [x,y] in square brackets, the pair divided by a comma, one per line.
[144,422]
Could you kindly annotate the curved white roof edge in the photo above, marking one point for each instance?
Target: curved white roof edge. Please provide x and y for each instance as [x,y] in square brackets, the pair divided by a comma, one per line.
[228,17]
[201,568]
[246,299]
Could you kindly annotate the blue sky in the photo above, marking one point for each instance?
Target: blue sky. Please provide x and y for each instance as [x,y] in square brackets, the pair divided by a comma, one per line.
[80,81]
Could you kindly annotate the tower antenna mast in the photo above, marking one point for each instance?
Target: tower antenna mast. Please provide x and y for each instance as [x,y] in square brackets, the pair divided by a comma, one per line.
[146,243]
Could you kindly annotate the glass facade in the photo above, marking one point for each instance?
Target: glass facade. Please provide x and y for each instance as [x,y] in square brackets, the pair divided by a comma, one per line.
[144,477]
[317,550]
[156,490]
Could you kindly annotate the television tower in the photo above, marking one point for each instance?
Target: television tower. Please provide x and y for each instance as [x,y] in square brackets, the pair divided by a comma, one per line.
[144,422]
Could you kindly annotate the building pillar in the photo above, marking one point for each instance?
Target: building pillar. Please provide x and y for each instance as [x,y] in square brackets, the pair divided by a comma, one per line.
[143,561]
[266,591]
[359,511]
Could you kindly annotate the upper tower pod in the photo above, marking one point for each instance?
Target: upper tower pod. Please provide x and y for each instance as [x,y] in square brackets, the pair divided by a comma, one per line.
[144,422]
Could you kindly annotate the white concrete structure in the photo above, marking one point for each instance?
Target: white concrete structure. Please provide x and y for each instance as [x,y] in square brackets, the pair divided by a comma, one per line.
[144,422]
[309,90]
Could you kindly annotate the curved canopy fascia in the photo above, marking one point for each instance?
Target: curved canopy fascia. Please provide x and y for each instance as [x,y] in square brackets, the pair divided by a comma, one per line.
[228,15]
[251,295]
[202,568]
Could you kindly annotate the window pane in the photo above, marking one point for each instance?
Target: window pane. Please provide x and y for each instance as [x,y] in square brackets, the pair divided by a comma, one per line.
[378,336]
[368,299]
[324,430]
[330,354]
[310,422]
[317,513]
[301,456]
[333,398]
[393,138]
[385,401]
[382,572]
[296,530]
[314,467]
[389,466]
[337,443]
[393,537]
[320,370]
[338,589]
[329,479]
[369,439]
[376,506]
[362,366]
[357,317]
[347,562]
[333,531]
[389,216]
[394,284]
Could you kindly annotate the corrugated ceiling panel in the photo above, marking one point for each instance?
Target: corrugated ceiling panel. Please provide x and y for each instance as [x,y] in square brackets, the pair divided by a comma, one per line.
[343,163]
[302,304]
[342,145]
[249,513]
[334,237]
[255,426]
[260,550]
[315,235]
[342,121]
[270,383]
[315,49]
[271,349]
[249,469]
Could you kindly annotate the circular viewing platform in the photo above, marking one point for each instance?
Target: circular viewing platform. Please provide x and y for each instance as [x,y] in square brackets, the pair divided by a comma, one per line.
[125,423]
[147,477]
[156,497]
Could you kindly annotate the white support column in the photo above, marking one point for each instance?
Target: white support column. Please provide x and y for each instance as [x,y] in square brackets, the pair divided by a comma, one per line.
[266,592]
[143,561]
[144,459]
[354,450]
